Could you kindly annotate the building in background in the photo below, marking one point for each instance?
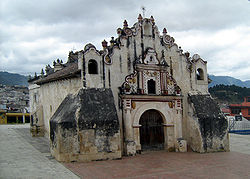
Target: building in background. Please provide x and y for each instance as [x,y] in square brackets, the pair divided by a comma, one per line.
[241,109]
[14,104]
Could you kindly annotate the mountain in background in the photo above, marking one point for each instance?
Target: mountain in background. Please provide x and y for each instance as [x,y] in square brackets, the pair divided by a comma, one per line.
[229,94]
[227,80]
[11,79]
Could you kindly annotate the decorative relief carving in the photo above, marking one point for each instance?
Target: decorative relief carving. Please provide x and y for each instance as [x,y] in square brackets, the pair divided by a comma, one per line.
[128,32]
[190,66]
[171,104]
[178,104]
[107,60]
[130,84]
[133,105]
[167,39]
[154,75]
[127,103]
[107,56]
[169,87]
[150,57]
[172,87]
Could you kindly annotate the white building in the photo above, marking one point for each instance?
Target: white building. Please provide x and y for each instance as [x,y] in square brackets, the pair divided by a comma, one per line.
[160,95]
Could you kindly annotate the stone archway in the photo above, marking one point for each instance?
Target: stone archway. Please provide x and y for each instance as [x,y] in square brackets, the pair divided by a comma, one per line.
[151,130]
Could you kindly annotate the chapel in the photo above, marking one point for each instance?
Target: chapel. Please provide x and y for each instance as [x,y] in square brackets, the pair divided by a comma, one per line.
[140,92]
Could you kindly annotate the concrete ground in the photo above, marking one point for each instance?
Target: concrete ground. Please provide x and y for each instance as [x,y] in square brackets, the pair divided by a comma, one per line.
[22,156]
[240,143]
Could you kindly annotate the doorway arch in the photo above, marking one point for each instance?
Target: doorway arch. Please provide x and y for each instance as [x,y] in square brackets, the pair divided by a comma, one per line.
[151,130]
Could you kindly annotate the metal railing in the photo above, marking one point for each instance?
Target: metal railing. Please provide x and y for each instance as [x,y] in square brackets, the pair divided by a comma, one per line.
[238,125]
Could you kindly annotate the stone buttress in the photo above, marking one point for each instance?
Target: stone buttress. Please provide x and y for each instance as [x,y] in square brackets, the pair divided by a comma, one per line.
[85,127]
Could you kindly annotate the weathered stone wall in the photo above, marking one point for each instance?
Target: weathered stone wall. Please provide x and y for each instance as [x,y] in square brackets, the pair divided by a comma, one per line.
[53,93]
[36,111]
[85,127]
[208,126]
[34,97]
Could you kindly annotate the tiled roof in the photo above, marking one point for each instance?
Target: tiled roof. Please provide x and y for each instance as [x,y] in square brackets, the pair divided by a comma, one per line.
[225,110]
[67,72]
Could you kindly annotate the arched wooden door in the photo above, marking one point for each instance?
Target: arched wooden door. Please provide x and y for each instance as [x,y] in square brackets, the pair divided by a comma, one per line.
[151,130]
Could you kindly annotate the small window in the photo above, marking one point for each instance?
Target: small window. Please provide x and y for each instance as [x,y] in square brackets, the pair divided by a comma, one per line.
[200,74]
[248,111]
[93,67]
[151,87]
[248,99]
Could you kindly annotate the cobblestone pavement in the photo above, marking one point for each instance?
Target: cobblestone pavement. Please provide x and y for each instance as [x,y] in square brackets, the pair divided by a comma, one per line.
[22,156]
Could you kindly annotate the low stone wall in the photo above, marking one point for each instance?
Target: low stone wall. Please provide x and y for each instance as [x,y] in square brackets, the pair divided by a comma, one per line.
[209,131]
[85,127]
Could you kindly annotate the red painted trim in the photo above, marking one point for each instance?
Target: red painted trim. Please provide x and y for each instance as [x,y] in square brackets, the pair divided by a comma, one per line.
[153,99]
[161,81]
[142,81]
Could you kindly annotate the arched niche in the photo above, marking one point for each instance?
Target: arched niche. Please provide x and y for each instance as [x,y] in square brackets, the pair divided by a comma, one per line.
[92,67]
[199,74]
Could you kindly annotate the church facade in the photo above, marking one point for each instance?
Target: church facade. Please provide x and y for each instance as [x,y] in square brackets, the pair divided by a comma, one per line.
[157,98]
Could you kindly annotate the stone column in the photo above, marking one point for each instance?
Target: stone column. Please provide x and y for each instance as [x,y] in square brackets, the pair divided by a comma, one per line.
[130,146]
[170,137]
[23,118]
[137,137]
[128,125]
[178,125]
[180,143]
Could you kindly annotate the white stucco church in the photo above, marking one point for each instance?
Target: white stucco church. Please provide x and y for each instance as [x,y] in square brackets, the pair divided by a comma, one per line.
[157,94]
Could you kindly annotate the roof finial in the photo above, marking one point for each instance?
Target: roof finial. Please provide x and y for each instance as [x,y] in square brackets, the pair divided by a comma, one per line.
[140,17]
[42,72]
[125,24]
[152,19]
[104,44]
[164,31]
[112,41]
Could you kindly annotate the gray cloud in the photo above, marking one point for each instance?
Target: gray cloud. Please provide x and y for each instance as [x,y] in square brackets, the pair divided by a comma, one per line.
[34,33]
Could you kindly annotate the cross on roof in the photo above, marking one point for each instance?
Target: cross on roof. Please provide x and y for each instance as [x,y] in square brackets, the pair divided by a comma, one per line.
[143,10]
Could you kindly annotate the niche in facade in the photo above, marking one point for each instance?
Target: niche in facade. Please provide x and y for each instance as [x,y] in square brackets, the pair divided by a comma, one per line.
[92,67]
[147,29]
[200,74]
[151,86]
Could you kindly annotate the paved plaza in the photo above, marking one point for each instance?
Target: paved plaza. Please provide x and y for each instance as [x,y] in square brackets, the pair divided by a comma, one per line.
[22,156]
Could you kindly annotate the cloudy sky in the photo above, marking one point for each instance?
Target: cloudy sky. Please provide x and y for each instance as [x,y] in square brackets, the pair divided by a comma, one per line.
[34,33]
